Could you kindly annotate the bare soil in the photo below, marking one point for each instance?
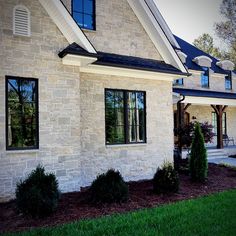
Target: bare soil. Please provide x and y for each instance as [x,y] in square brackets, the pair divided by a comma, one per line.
[74,206]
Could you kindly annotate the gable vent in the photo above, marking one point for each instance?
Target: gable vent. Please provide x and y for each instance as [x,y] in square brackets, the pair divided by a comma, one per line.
[21,21]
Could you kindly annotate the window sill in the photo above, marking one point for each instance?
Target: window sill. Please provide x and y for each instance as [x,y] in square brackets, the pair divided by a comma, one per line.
[89,30]
[22,151]
[126,145]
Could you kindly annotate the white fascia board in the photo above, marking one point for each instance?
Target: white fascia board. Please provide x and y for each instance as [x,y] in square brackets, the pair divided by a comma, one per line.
[209,101]
[124,72]
[66,24]
[76,60]
[156,33]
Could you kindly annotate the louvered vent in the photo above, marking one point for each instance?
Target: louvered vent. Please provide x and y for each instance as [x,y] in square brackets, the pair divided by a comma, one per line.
[21,21]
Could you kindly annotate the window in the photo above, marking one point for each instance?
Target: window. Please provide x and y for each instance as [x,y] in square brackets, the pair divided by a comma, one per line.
[178,82]
[125,116]
[214,123]
[84,13]
[21,21]
[228,81]
[21,113]
[205,77]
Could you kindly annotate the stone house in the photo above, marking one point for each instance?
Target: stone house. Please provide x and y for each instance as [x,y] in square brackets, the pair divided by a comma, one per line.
[209,94]
[85,86]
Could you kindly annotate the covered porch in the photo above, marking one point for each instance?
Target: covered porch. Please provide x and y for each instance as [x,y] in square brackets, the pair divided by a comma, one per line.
[216,108]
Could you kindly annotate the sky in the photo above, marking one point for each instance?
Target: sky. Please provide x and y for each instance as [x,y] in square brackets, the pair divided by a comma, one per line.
[188,19]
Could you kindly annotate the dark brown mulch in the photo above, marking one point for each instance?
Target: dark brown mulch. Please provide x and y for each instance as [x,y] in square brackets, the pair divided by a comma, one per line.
[73,206]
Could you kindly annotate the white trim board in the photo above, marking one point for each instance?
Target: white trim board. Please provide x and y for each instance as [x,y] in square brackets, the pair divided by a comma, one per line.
[209,101]
[66,24]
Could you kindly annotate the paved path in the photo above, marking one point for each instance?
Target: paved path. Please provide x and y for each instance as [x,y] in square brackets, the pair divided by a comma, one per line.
[227,160]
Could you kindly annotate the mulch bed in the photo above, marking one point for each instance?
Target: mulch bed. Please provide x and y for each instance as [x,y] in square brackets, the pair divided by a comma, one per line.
[73,206]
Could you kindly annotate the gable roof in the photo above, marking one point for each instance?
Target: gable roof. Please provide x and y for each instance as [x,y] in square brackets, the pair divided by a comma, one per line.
[154,24]
[192,52]
[121,61]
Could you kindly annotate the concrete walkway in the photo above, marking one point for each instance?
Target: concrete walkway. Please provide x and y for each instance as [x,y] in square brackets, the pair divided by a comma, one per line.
[224,160]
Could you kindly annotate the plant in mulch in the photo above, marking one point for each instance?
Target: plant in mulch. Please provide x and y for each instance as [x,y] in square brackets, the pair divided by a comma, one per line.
[198,157]
[38,194]
[109,187]
[166,179]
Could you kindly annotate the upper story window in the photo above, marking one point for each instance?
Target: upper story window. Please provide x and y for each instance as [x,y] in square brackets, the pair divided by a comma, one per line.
[125,116]
[179,82]
[84,13]
[228,81]
[205,77]
[21,113]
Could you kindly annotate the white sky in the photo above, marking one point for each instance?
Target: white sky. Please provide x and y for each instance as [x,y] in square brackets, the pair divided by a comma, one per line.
[188,19]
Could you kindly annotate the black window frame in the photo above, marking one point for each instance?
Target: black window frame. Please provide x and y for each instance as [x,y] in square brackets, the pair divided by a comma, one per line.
[179,82]
[126,124]
[205,72]
[224,119]
[93,15]
[7,77]
[229,77]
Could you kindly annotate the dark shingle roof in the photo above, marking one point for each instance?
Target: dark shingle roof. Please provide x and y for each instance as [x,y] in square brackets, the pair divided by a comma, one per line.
[192,52]
[122,61]
[204,93]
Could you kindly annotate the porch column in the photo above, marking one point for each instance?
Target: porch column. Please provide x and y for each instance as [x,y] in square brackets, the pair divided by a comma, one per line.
[219,109]
[180,123]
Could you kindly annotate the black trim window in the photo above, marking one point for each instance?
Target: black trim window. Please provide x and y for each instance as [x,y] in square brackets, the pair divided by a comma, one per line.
[214,123]
[22,129]
[205,77]
[179,82]
[125,116]
[84,13]
[228,81]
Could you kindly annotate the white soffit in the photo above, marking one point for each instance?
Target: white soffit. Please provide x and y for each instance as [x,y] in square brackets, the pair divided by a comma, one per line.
[66,24]
[203,61]
[209,101]
[76,60]
[225,65]
[151,22]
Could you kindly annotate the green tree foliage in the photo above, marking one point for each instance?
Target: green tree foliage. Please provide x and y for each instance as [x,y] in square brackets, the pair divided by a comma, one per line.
[198,156]
[226,30]
[205,42]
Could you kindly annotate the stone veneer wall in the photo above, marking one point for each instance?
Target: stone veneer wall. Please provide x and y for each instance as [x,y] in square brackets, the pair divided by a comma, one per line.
[59,99]
[119,31]
[137,161]
[217,83]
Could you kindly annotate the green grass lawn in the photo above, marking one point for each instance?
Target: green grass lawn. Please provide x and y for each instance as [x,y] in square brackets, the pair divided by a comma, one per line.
[211,215]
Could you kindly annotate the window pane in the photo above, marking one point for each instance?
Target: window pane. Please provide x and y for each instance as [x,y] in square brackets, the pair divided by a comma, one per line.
[88,22]
[88,7]
[22,116]
[205,77]
[78,17]
[78,5]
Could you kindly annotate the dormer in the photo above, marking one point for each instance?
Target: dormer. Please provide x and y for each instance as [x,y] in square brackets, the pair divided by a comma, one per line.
[203,61]
[182,56]
[225,65]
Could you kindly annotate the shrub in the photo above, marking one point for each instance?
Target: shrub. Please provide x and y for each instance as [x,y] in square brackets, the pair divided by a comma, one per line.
[109,187]
[37,195]
[166,179]
[198,156]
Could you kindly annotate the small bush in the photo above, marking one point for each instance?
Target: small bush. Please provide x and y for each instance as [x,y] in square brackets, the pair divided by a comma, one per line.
[108,188]
[166,179]
[37,195]
[198,157]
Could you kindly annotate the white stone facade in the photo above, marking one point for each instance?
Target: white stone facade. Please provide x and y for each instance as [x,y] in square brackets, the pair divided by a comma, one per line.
[71,104]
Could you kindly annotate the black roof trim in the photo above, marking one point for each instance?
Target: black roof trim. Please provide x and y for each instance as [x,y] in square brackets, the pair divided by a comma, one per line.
[122,61]
[204,93]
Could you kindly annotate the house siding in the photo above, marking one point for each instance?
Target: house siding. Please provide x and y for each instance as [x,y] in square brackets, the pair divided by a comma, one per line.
[59,100]
[137,161]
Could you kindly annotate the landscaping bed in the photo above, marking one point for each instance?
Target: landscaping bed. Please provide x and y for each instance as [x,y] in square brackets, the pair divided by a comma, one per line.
[74,206]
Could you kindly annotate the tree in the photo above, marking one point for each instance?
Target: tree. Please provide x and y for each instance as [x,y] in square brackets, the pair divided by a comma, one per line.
[205,42]
[226,30]
[198,156]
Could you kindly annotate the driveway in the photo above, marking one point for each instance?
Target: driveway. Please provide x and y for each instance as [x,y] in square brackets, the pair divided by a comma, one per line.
[224,160]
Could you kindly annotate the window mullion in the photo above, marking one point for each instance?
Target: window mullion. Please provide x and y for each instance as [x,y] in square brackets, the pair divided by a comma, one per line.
[126,123]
